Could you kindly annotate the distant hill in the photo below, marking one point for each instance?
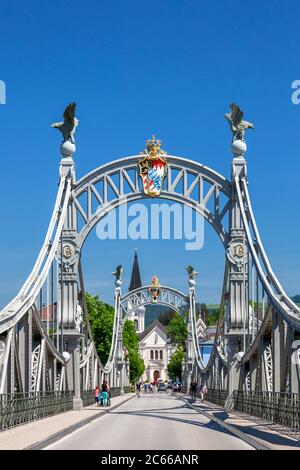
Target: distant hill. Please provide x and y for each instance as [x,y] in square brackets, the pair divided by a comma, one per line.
[153,312]
[296,299]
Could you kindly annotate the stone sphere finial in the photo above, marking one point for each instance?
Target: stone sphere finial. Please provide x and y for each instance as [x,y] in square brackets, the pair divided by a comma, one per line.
[67,356]
[67,149]
[238,148]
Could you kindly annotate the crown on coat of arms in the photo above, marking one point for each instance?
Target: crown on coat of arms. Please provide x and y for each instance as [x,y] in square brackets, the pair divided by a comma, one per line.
[154,290]
[153,148]
[153,167]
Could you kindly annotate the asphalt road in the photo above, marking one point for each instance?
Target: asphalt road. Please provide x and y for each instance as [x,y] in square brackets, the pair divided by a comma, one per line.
[152,422]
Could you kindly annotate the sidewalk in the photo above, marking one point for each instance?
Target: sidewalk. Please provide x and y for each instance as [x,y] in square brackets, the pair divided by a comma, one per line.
[275,436]
[30,434]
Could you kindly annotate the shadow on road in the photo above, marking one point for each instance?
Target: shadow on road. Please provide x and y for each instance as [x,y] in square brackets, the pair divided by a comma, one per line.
[159,415]
[252,430]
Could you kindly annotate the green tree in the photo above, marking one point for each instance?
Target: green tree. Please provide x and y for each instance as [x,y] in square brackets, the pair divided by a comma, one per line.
[203,311]
[131,343]
[130,337]
[174,366]
[212,317]
[101,316]
[176,331]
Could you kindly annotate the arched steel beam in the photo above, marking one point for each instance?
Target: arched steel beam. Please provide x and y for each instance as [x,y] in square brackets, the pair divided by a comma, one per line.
[141,296]
[179,172]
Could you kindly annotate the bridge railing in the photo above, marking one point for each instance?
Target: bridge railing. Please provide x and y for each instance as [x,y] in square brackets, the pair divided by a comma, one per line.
[20,408]
[88,398]
[217,397]
[275,407]
[281,408]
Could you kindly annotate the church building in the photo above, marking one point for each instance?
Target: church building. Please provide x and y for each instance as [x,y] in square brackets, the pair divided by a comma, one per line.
[154,346]
[156,350]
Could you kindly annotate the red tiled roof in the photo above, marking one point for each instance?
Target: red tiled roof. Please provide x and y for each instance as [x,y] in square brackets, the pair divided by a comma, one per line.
[50,310]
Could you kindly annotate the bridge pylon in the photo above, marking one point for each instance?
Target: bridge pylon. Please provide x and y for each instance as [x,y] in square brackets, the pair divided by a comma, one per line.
[68,292]
[236,315]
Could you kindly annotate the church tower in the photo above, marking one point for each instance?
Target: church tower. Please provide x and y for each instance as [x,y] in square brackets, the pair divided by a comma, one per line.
[138,316]
[135,281]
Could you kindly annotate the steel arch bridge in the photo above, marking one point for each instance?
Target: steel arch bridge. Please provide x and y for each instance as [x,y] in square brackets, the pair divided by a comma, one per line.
[46,342]
[169,297]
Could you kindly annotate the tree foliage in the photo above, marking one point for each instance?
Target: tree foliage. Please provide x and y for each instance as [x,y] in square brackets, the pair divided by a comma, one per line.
[101,317]
[131,343]
[174,366]
[203,311]
[212,317]
[176,331]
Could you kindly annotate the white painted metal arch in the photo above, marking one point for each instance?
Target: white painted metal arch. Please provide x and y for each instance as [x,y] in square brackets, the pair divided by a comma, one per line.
[169,297]
[118,182]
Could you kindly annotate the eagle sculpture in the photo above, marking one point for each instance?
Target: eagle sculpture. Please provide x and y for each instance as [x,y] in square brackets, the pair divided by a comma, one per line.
[236,123]
[68,127]
[118,272]
[191,272]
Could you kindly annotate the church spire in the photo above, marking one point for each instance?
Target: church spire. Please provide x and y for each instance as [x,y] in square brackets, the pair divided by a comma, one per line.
[135,275]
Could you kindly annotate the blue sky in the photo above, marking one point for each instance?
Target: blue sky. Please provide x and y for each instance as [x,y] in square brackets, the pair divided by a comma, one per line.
[137,68]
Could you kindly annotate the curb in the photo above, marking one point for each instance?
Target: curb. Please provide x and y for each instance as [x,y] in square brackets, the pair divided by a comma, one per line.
[40,445]
[229,427]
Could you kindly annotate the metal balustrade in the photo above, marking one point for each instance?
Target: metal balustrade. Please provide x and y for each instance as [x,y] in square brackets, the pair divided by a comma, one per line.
[115,391]
[87,396]
[281,408]
[217,397]
[20,408]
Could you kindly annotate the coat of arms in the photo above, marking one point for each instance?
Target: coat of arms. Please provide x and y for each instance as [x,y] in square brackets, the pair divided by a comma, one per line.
[154,290]
[153,167]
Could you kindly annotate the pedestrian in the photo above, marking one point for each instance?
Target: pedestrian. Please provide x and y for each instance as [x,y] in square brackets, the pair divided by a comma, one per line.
[145,387]
[201,393]
[96,394]
[138,389]
[105,393]
[193,390]
[204,392]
